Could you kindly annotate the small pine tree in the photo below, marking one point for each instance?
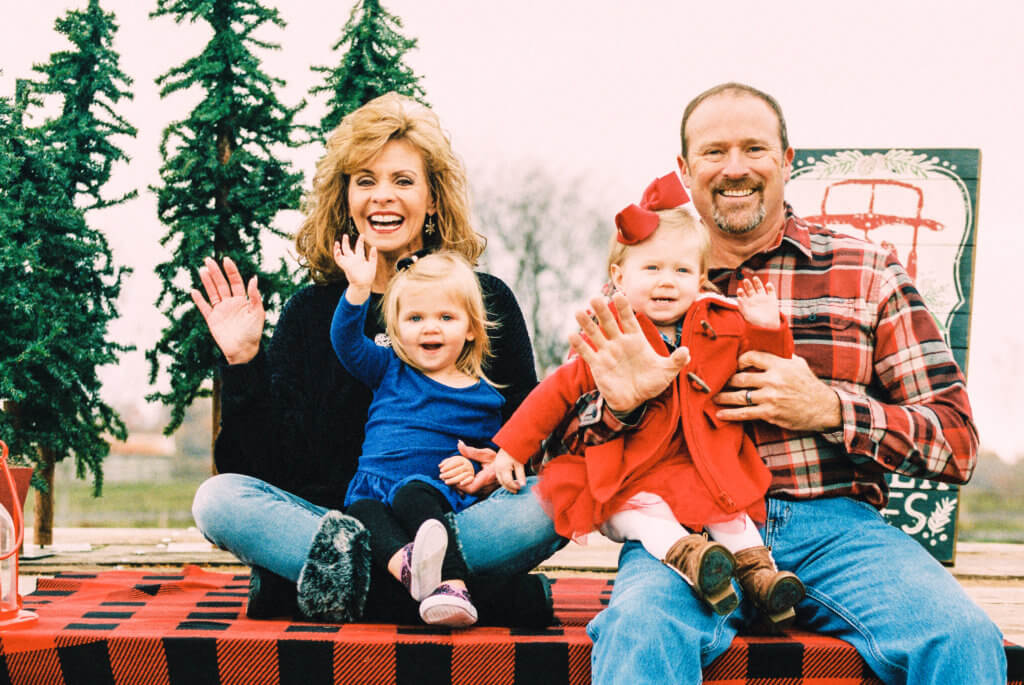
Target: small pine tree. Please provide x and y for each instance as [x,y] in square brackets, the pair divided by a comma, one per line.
[69,261]
[371,65]
[59,291]
[91,83]
[222,185]
[15,266]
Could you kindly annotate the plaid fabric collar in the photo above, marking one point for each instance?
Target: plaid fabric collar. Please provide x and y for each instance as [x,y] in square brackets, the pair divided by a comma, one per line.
[795,232]
[673,344]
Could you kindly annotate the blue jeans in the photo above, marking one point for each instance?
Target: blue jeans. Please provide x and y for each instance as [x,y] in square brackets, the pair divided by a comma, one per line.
[867,583]
[265,526]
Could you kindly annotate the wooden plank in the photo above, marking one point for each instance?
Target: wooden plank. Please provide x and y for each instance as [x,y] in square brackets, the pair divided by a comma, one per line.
[1003,602]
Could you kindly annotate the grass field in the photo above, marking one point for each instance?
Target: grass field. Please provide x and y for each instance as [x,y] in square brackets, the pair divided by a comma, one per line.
[991,507]
[984,516]
[138,492]
[991,517]
[125,505]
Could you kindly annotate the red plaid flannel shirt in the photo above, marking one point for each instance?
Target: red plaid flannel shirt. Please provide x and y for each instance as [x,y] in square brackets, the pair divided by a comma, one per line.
[864,329]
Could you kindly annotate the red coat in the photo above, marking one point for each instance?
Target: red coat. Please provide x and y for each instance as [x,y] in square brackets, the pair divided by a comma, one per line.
[709,471]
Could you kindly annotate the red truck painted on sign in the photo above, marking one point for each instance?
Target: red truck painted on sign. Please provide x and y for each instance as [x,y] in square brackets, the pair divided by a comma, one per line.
[869,220]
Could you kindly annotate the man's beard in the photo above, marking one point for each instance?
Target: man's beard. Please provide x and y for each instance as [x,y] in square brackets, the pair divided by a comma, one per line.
[733,228]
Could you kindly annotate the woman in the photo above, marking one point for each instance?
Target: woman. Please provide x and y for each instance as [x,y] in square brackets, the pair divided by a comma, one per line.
[292,417]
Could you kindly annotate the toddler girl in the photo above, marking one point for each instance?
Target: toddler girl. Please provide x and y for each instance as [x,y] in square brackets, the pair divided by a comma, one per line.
[429,392]
[682,469]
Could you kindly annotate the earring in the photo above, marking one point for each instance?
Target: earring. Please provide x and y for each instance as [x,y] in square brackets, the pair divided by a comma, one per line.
[430,225]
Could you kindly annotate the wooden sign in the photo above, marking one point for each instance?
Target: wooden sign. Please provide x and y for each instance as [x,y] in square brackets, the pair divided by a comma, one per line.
[921,203]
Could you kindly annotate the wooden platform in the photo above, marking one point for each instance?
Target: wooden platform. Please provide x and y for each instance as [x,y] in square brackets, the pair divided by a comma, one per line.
[992,574]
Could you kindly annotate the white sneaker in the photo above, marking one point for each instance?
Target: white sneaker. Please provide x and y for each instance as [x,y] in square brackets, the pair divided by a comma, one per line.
[423,557]
[448,606]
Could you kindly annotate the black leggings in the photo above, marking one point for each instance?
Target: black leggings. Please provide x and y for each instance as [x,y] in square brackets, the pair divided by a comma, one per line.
[391,528]
[521,601]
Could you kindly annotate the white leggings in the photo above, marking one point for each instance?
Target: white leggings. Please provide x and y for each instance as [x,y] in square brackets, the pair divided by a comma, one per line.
[650,521]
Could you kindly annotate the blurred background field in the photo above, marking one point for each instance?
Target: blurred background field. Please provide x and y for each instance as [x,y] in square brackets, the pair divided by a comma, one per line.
[150,481]
[991,507]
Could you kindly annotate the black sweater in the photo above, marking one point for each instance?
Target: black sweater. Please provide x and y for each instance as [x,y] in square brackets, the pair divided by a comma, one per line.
[294,417]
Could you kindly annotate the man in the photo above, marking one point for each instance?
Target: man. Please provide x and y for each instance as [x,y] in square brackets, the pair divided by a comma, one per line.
[873,388]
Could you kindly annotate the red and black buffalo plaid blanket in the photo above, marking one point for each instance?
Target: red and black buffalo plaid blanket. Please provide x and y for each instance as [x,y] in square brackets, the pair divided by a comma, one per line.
[190,628]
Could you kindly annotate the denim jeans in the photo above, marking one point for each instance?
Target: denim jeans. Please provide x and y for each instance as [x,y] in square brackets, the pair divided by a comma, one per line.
[265,526]
[867,583]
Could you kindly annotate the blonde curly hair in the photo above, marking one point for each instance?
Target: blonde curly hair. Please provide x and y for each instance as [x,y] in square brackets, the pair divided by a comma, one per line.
[351,146]
[447,272]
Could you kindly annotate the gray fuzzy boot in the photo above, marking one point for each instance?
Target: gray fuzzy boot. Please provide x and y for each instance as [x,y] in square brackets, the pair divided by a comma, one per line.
[335,579]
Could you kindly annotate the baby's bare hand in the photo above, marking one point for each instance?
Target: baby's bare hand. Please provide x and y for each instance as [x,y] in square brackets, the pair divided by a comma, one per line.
[359,265]
[457,471]
[510,473]
[758,303]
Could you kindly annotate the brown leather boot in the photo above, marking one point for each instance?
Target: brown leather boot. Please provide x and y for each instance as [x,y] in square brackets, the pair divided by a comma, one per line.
[774,592]
[707,567]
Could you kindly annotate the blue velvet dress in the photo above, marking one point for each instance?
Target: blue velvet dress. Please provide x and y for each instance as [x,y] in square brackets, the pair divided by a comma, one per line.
[414,422]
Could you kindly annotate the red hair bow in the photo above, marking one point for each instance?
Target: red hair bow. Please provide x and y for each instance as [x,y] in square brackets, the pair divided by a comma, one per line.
[637,223]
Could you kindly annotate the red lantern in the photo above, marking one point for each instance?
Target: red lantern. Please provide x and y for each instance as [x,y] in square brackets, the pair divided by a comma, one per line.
[12,530]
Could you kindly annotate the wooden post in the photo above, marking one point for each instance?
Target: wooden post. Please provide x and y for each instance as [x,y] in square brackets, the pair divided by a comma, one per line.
[44,500]
[215,421]
[225,146]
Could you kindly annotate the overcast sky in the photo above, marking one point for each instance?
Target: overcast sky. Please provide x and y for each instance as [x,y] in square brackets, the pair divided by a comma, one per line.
[597,87]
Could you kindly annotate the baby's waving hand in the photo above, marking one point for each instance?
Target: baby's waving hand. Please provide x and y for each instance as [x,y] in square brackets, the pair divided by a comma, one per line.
[758,303]
[360,268]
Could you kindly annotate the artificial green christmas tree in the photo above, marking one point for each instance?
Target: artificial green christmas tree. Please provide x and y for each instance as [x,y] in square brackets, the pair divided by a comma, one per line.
[59,288]
[222,185]
[66,280]
[371,65]
[90,83]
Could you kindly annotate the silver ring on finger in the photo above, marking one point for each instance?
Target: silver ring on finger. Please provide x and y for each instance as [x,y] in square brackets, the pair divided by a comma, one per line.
[750,402]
